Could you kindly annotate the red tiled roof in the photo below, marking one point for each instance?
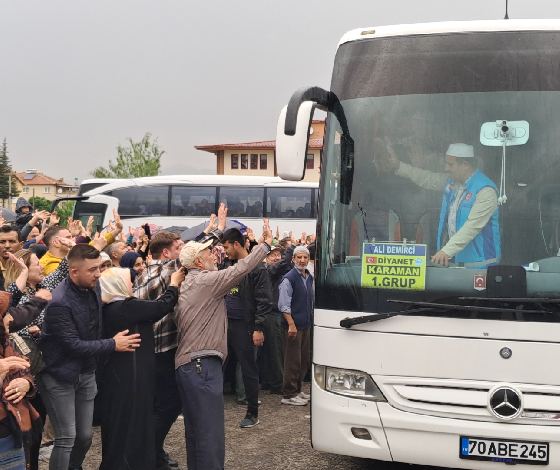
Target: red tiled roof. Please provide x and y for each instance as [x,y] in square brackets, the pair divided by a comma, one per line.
[265,144]
[40,179]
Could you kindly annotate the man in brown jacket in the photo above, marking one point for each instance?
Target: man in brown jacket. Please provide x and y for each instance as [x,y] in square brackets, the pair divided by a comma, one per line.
[202,324]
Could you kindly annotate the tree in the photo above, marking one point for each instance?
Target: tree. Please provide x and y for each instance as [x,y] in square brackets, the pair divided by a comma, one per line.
[65,210]
[140,159]
[40,203]
[5,170]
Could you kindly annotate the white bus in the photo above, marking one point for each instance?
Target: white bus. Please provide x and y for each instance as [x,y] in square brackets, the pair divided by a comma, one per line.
[413,361]
[187,201]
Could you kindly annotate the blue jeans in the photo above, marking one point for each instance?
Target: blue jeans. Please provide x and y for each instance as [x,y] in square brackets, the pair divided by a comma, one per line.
[70,408]
[203,409]
[11,456]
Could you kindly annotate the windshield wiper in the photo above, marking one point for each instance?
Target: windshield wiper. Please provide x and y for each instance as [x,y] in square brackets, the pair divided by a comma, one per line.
[526,300]
[348,321]
[466,308]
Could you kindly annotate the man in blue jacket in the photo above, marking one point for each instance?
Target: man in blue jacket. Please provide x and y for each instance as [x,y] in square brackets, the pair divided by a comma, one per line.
[70,342]
[296,304]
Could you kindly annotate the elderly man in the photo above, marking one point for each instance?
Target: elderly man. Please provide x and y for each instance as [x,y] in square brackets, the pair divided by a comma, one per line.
[201,318]
[469,224]
[295,301]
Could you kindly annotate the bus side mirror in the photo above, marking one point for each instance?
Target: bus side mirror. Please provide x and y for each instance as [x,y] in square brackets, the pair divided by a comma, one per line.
[291,150]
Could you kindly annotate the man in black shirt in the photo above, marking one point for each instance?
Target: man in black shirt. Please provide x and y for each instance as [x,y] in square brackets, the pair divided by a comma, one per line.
[248,304]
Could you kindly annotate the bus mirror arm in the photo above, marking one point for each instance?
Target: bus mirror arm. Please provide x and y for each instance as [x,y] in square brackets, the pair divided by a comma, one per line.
[326,101]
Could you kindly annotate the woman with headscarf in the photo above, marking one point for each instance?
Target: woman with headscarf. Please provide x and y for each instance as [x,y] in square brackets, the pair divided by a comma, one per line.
[127,383]
[134,262]
[16,414]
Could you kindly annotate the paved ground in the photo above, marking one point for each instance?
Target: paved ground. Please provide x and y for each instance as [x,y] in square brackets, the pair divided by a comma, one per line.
[280,441]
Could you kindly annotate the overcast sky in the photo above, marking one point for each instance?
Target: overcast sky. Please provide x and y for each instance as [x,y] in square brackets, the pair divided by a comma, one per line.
[77,78]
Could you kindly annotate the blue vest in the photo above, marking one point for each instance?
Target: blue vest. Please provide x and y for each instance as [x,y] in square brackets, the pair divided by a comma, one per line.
[302,299]
[484,249]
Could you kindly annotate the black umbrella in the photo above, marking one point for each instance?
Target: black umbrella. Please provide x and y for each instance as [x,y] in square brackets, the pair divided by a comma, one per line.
[195,231]
[9,216]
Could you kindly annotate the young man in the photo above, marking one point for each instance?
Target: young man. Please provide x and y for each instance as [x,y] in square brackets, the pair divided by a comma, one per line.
[9,243]
[248,304]
[202,323]
[164,247]
[296,304]
[278,264]
[70,342]
[57,250]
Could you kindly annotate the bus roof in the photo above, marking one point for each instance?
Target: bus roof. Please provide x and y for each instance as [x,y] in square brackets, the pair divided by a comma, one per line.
[450,27]
[213,180]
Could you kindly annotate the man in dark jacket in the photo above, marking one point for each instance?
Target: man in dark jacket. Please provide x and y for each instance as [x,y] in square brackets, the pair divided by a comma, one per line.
[24,213]
[70,342]
[248,304]
[277,264]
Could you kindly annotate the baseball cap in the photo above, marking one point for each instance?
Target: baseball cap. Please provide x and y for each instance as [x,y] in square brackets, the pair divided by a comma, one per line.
[191,250]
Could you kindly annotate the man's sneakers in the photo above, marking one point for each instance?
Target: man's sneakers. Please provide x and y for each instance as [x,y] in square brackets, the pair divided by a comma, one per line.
[297,401]
[305,396]
[249,421]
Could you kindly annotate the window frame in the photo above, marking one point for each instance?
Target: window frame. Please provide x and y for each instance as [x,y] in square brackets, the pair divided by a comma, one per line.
[265,160]
[47,190]
[255,161]
[244,161]
[309,160]
[234,157]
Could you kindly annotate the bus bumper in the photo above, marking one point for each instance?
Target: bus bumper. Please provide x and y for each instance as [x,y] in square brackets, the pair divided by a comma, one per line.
[408,437]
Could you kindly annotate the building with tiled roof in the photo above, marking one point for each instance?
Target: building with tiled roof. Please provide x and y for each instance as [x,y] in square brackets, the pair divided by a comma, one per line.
[31,183]
[259,158]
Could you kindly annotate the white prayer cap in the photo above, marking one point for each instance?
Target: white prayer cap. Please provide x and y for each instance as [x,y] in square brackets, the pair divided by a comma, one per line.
[460,151]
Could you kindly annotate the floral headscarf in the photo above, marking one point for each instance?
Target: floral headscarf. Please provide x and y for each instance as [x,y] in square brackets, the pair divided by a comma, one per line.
[115,285]
[219,253]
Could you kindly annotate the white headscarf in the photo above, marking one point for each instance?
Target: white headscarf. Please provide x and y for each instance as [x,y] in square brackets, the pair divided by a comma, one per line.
[114,285]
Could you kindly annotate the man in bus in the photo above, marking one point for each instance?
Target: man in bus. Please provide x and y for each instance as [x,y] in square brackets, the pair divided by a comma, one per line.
[468,225]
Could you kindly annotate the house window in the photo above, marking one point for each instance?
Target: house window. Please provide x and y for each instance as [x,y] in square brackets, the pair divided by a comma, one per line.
[254,161]
[25,190]
[47,190]
[244,161]
[309,161]
[234,162]
[263,161]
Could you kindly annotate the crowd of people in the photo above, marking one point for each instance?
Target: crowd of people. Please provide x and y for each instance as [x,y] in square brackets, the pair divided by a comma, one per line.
[134,329]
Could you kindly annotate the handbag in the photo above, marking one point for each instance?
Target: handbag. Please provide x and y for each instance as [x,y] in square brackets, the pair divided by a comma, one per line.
[27,347]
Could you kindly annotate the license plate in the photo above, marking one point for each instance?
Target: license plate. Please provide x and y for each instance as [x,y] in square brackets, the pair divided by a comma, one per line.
[502,450]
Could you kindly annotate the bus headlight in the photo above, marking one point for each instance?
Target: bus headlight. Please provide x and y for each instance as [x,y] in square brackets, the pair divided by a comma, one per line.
[350,383]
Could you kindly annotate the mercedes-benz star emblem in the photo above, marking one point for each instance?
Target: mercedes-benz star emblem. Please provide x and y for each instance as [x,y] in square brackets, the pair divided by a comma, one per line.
[506,353]
[505,402]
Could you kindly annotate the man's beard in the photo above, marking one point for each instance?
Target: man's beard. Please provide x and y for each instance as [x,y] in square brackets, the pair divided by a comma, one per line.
[301,268]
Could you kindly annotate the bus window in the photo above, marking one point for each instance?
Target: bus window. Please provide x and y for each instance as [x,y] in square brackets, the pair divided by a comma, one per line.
[143,201]
[289,203]
[243,202]
[193,200]
[84,188]
[83,210]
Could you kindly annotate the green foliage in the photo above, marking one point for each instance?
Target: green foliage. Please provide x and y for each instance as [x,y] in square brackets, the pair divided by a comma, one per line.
[40,203]
[5,170]
[140,159]
[65,210]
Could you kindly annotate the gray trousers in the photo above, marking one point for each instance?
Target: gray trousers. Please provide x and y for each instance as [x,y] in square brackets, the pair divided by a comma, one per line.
[70,408]
[202,395]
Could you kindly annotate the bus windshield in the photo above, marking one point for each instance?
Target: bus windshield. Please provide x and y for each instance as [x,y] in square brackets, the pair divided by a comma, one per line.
[424,184]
